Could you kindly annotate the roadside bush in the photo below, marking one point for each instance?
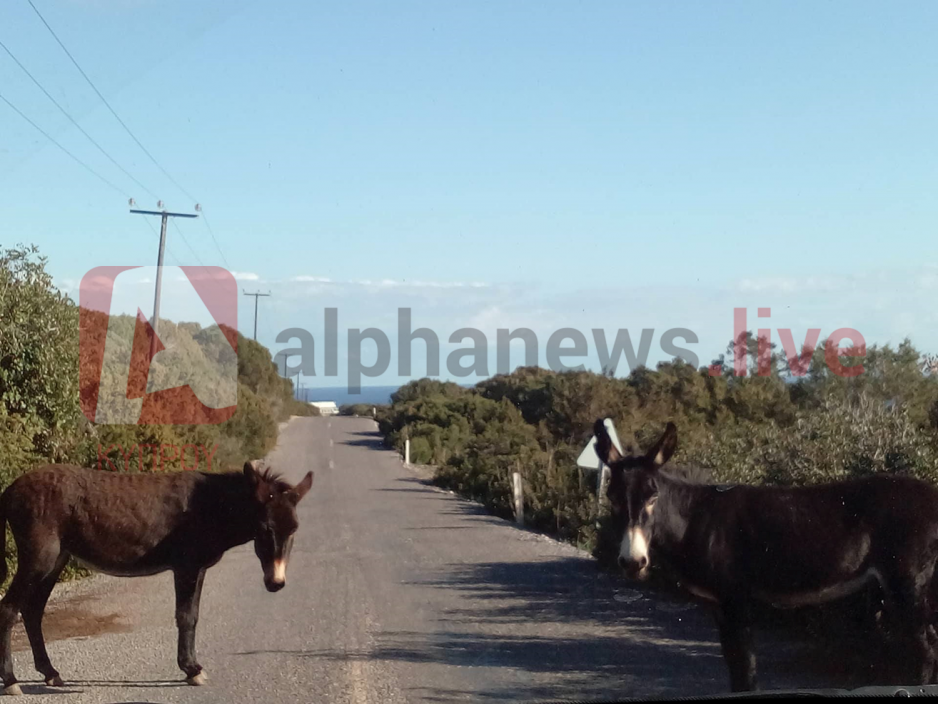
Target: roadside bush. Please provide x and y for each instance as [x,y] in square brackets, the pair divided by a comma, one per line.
[357,409]
[38,356]
[838,440]
[292,407]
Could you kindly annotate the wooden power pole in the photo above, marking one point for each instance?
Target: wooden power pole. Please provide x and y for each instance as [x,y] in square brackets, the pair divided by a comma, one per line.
[256,296]
[164,216]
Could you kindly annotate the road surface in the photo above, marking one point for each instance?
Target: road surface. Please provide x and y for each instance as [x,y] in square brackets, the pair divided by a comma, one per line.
[396,592]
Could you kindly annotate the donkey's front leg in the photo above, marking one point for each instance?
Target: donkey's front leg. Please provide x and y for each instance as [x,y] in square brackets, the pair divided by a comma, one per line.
[734,622]
[188,592]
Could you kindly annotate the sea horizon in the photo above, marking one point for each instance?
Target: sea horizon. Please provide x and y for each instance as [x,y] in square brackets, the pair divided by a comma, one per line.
[340,395]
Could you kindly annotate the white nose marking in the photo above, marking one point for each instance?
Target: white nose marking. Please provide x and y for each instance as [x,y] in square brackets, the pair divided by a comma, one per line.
[280,571]
[634,547]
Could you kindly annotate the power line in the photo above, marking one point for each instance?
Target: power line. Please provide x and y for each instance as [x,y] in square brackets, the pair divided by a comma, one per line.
[272,337]
[79,162]
[126,128]
[107,104]
[212,233]
[72,156]
[179,230]
[72,120]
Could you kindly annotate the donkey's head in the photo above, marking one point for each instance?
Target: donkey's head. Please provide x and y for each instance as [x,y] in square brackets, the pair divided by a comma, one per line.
[275,521]
[633,491]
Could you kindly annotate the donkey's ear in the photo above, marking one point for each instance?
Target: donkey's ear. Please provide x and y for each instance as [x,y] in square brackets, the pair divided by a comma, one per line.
[301,489]
[259,486]
[605,448]
[664,448]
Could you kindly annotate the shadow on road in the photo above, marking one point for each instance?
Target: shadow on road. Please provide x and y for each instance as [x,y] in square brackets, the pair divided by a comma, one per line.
[598,637]
[81,686]
[371,444]
[405,490]
[371,439]
[143,684]
[597,646]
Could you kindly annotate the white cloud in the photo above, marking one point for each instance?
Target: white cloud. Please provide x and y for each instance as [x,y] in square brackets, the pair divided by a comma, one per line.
[312,279]
[245,276]
[781,284]
[396,284]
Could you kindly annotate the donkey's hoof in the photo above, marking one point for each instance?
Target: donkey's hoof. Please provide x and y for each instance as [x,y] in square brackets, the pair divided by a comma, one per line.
[54,681]
[13,690]
[198,680]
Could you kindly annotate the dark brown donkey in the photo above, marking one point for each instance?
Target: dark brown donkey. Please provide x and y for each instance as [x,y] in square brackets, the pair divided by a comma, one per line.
[132,525]
[786,547]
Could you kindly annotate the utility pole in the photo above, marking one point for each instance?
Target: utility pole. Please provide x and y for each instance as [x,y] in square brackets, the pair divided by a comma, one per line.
[155,323]
[256,296]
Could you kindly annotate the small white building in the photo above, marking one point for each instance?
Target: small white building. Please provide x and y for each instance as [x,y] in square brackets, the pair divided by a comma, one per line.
[326,408]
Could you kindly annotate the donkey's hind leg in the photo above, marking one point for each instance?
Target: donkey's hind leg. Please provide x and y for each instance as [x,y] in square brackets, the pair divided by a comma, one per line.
[32,619]
[734,620]
[933,644]
[915,660]
[10,606]
[188,594]
[34,566]
[918,655]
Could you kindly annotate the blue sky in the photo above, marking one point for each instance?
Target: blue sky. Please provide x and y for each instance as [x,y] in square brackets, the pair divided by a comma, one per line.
[545,164]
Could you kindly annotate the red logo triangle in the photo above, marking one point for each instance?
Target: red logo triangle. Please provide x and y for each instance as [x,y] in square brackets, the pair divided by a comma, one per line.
[145,346]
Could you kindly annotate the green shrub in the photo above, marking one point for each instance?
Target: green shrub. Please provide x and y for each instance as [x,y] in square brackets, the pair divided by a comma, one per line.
[358,409]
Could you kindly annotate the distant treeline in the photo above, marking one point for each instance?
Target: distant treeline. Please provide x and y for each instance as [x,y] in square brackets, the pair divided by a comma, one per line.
[775,429]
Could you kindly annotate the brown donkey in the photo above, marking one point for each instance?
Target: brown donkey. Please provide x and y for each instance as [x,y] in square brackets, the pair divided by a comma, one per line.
[132,525]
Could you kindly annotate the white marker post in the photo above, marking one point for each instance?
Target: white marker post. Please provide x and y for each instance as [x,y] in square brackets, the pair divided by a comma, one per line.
[407,452]
[518,487]
[602,483]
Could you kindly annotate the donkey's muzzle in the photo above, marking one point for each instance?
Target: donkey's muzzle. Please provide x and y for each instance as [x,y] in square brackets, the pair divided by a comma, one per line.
[634,569]
[275,576]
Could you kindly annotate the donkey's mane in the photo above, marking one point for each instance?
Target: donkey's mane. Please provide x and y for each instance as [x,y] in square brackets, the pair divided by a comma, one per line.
[687,474]
[271,477]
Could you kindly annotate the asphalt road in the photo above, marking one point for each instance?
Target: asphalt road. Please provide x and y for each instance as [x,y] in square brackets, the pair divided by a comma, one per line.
[396,592]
